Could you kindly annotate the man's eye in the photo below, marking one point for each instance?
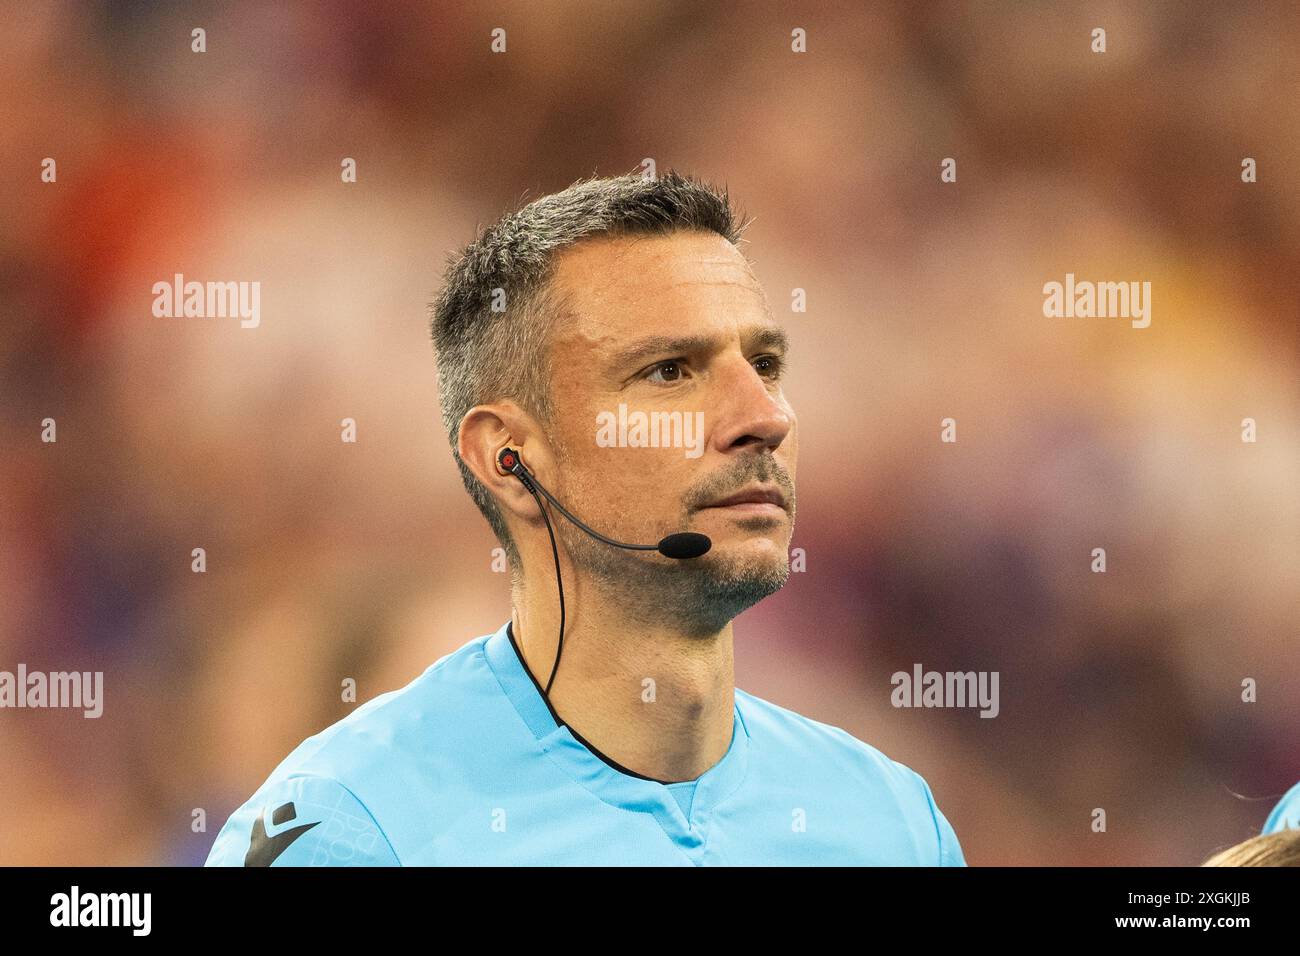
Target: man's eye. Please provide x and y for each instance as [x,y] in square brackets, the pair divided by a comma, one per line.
[670,368]
[769,365]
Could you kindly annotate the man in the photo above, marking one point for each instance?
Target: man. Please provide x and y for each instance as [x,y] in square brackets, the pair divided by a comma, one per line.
[621,739]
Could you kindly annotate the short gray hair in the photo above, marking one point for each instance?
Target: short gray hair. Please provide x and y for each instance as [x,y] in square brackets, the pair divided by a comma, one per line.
[485,355]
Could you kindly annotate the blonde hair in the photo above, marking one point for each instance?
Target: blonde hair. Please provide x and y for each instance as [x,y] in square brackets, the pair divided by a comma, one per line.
[1269,849]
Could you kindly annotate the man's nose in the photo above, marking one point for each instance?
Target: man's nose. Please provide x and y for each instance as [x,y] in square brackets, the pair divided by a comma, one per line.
[750,410]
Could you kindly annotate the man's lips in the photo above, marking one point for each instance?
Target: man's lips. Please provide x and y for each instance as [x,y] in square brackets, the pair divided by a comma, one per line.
[759,499]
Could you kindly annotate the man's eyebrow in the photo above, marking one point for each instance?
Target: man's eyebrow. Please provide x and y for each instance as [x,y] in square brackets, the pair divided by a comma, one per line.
[768,336]
[771,337]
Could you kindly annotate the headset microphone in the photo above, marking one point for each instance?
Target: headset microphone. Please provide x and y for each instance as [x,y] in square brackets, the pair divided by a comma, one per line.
[682,545]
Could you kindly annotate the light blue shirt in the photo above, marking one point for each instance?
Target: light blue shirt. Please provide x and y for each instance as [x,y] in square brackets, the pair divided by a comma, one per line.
[1286,815]
[467,765]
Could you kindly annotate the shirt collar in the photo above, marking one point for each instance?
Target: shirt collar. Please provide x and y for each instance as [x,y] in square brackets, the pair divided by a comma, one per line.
[609,784]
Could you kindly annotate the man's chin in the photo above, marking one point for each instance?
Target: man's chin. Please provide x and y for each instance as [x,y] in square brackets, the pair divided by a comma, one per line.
[704,593]
[717,594]
[749,571]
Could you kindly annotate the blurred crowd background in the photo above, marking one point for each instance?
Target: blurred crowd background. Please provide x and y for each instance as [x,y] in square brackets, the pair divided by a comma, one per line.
[328,560]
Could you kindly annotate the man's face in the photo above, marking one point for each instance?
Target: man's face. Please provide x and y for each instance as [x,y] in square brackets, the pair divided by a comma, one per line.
[671,344]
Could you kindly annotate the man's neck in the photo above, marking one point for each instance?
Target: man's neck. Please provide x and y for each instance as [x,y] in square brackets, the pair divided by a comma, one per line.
[646,696]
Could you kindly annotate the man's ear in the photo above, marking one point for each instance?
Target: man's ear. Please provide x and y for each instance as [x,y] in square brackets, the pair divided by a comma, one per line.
[484,431]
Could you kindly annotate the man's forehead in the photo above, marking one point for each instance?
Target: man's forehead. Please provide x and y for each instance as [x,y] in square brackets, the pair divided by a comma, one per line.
[612,282]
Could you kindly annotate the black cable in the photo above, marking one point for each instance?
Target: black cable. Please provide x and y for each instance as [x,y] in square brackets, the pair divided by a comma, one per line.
[681,546]
[555,553]
[533,488]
